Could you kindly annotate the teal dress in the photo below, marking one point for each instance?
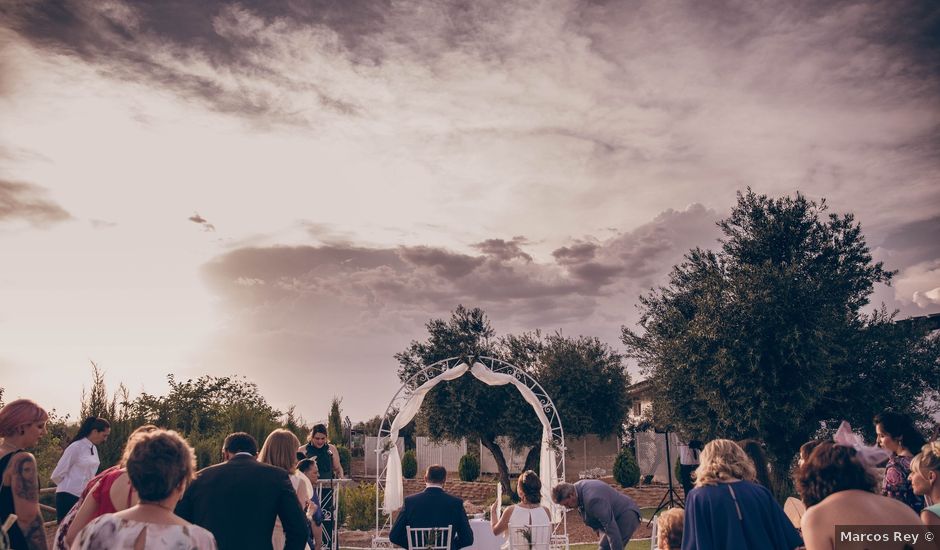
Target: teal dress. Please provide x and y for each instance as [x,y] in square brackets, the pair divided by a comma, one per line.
[935,509]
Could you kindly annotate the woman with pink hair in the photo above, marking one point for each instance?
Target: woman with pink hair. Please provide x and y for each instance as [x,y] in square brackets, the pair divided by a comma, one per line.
[22,424]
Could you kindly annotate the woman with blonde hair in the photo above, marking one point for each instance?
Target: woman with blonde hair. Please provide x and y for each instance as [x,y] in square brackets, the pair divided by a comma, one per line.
[669,529]
[22,425]
[728,510]
[925,479]
[280,449]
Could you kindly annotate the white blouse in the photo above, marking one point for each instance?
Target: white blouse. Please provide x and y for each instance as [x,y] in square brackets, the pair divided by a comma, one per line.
[76,467]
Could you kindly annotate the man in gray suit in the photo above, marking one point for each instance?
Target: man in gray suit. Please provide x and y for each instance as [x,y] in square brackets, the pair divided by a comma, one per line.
[609,512]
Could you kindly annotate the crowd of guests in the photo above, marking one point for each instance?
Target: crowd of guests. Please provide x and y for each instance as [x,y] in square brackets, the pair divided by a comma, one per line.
[840,482]
[154,499]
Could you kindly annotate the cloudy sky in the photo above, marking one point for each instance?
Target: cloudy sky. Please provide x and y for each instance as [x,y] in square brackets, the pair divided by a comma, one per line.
[290,190]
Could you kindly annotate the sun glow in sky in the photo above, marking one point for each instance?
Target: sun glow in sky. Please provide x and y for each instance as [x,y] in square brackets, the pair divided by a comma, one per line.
[289,191]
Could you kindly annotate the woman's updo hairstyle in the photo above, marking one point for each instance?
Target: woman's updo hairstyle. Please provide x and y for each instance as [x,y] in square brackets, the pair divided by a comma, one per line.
[530,486]
[928,460]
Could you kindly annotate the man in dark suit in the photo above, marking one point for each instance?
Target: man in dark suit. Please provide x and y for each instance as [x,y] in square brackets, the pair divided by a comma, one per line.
[239,499]
[433,508]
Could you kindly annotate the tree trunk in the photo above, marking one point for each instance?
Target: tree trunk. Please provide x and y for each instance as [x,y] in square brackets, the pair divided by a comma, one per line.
[501,466]
[532,458]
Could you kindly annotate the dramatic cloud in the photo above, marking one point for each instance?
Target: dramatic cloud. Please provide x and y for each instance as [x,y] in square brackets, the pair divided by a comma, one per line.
[375,163]
[28,202]
[379,288]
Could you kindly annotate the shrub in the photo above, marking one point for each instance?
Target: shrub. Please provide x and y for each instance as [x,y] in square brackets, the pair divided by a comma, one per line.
[409,465]
[345,459]
[626,471]
[468,468]
[357,507]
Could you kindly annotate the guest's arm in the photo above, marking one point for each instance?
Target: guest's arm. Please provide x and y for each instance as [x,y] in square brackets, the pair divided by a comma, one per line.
[63,465]
[337,465]
[501,523]
[929,518]
[24,484]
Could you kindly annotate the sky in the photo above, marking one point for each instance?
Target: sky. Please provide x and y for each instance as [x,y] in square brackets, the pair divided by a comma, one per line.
[289,190]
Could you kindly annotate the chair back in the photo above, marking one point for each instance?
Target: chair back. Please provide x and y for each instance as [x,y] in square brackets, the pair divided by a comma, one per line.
[530,537]
[429,538]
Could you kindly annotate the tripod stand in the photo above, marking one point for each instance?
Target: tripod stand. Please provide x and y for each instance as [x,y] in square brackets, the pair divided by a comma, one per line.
[671,497]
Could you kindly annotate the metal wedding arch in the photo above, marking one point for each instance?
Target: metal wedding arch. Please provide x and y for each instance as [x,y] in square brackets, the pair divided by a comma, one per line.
[406,402]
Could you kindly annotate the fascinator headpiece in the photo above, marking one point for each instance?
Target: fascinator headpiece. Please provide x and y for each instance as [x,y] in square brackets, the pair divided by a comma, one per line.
[870,456]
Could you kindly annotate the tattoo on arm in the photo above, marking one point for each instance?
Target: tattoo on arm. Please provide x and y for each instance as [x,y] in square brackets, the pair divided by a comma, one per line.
[36,535]
[27,480]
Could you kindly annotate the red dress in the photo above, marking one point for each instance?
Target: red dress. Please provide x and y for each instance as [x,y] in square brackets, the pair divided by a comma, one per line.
[100,488]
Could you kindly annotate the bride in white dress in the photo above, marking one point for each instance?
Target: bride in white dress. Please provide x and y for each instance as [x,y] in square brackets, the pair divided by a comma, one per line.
[528,523]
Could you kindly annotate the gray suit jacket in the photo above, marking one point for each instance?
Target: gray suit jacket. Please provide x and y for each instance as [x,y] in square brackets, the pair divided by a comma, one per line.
[605,509]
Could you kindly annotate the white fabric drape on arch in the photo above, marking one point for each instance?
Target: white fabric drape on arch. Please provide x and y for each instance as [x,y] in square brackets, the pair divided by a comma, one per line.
[548,471]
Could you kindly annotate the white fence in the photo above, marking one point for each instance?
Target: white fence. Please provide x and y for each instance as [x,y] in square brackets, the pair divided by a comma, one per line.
[446,454]
[370,454]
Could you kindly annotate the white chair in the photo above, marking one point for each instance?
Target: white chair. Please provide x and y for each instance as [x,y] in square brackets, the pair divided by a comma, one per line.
[530,537]
[429,538]
[560,542]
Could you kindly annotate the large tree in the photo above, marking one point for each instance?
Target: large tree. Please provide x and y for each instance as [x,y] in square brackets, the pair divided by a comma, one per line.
[583,376]
[766,337]
[465,407]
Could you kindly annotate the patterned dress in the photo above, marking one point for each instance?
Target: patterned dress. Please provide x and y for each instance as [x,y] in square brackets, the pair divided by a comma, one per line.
[898,486]
[110,533]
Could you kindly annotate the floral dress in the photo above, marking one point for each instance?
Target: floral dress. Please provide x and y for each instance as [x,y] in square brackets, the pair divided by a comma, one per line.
[898,486]
[107,532]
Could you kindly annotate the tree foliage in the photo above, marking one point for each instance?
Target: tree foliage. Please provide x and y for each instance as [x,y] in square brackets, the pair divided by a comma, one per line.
[370,426]
[334,423]
[765,338]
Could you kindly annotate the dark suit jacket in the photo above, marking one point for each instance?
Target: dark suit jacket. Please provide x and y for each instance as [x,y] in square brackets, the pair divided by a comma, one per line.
[433,508]
[238,501]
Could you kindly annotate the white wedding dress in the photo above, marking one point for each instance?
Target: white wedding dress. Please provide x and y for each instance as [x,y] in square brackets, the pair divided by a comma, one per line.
[535,522]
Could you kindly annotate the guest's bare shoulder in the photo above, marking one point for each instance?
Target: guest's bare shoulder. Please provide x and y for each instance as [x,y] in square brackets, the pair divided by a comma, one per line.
[898,513]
